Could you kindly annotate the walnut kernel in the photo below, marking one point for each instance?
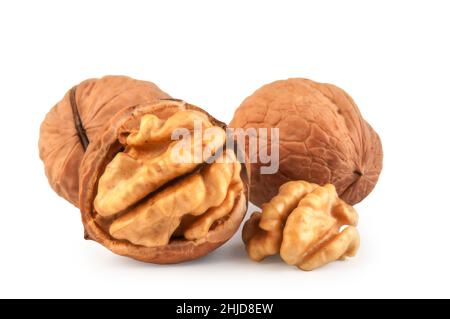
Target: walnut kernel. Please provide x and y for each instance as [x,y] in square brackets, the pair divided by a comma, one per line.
[305,224]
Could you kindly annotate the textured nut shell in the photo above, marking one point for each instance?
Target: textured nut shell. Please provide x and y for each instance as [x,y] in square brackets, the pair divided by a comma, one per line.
[323,138]
[97,101]
[101,151]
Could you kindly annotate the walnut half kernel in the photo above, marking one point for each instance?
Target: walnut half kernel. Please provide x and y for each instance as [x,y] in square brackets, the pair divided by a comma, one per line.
[146,164]
[156,199]
[308,225]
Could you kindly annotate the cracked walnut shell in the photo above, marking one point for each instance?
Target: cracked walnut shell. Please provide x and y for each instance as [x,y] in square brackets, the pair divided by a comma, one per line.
[305,224]
[78,119]
[322,139]
[138,199]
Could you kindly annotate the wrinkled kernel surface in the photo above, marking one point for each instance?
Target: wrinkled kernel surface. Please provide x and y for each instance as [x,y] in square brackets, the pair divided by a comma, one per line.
[148,162]
[303,223]
[203,193]
[129,189]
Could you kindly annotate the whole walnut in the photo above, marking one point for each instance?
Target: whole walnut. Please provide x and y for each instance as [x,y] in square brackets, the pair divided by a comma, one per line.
[78,118]
[322,139]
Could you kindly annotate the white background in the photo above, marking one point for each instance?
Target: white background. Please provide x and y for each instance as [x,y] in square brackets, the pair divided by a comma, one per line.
[391,56]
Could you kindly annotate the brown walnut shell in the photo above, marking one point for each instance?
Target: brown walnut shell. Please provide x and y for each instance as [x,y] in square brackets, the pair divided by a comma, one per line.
[77,120]
[322,139]
[98,160]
